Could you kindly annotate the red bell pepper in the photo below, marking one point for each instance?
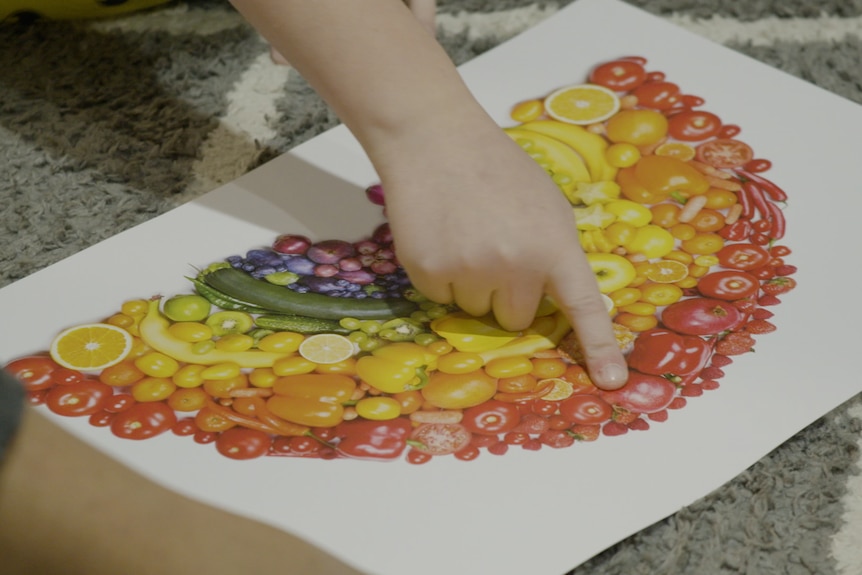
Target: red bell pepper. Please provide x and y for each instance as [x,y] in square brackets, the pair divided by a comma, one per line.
[367,439]
[679,358]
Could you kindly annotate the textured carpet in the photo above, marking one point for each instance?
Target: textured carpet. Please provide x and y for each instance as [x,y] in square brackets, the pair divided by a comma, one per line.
[104,125]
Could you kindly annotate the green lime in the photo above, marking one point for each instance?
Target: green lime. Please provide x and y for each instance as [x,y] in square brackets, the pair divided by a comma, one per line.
[188,307]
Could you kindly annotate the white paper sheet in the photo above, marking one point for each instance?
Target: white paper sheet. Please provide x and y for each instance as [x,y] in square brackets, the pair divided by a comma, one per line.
[525,512]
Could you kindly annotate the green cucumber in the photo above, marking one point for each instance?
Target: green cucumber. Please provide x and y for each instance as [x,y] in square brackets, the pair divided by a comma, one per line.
[300,324]
[221,300]
[240,286]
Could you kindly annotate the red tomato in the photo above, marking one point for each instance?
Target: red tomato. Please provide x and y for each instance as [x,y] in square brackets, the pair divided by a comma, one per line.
[491,417]
[35,372]
[119,402]
[620,75]
[417,457]
[469,453]
[729,131]
[692,101]
[101,419]
[64,376]
[728,285]
[742,256]
[184,427]
[75,399]
[725,153]
[701,316]
[693,125]
[144,420]
[586,409]
[440,438]
[658,95]
[642,393]
[758,165]
[37,397]
[242,443]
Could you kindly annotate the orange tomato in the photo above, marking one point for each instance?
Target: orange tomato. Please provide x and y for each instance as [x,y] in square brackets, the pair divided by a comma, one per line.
[187,399]
[703,244]
[121,374]
[547,367]
[223,387]
[518,384]
[718,199]
[665,215]
[662,174]
[708,220]
[636,323]
[459,391]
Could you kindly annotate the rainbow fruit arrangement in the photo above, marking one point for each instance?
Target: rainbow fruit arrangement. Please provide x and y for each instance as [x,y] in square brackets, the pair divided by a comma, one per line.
[323,349]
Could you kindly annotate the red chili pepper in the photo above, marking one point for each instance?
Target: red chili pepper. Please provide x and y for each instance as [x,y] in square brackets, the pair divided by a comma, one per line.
[744,200]
[758,200]
[774,192]
[274,426]
[669,354]
[778,221]
[737,231]
[368,439]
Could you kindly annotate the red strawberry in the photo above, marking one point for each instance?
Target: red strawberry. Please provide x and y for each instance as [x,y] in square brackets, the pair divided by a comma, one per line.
[746,305]
[614,428]
[735,343]
[761,313]
[785,270]
[585,432]
[532,445]
[677,403]
[710,384]
[719,360]
[692,390]
[532,423]
[624,416]
[658,416]
[778,285]
[711,373]
[768,299]
[638,424]
[759,326]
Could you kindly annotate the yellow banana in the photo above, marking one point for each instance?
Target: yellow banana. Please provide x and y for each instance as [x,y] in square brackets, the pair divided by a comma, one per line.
[564,164]
[590,146]
[154,331]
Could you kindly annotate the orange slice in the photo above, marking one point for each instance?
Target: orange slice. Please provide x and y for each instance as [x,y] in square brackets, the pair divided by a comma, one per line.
[676,150]
[561,390]
[91,347]
[666,271]
[324,348]
[583,104]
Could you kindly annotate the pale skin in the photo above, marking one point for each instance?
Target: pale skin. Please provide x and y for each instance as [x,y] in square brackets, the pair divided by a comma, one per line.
[475,221]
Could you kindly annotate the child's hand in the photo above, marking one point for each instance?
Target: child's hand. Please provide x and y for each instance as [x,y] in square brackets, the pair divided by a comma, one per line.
[477,222]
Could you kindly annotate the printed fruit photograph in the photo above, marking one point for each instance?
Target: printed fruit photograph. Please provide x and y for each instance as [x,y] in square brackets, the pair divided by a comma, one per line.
[321,348]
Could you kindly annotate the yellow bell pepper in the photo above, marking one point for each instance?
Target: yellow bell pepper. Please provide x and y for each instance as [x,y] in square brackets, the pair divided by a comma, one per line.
[543,334]
[395,367]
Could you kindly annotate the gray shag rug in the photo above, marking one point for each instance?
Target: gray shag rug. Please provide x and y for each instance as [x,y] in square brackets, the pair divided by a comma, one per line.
[106,124]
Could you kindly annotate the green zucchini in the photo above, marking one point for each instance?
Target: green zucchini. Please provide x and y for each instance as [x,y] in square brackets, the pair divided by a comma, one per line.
[300,324]
[240,286]
[221,300]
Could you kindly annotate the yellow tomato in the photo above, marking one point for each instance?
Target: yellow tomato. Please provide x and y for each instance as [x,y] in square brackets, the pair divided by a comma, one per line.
[293,365]
[223,387]
[235,342]
[635,322]
[637,127]
[639,308]
[625,296]
[629,212]
[262,377]
[378,408]
[718,199]
[345,366]
[548,367]
[189,375]
[509,366]
[157,364]
[226,370]
[652,241]
[191,331]
[460,362]
[281,342]
[527,111]
[618,233]
[622,155]
[153,389]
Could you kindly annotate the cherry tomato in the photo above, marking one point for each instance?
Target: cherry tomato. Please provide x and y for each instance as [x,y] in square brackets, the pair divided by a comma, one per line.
[65,376]
[542,407]
[242,443]
[693,125]
[742,256]
[153,389]
[35,371]
[758,165]
[491,417]
[143,420]
[469,453]
[728,285]
[101,418]
[208,420]
[204,437]
[417,457]
[658,95]
[620,75]
[304,445]
[724,153]
[76,399]
[119,402]
[184,427]
[547,367]
[729,131]
[480,440]
[586,409]
[440,438]
[515,438]
[692,101]
[121,374]
[188,399]
[780,251]
[708,220]
[655,76]
[520,384]
[37,397]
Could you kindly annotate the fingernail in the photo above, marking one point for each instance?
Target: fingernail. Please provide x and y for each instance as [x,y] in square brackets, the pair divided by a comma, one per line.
[613,375]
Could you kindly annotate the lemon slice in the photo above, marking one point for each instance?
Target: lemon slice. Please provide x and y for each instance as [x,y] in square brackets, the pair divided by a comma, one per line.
[666,271]
[326,348]
[91,347]
[561,390]
[582,104]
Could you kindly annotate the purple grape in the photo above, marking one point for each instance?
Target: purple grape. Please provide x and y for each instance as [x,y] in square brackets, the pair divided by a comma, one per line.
[300,265]
[350,264]
[361,277]
[320,284]
[366,247]
[375,194]
[325,270]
